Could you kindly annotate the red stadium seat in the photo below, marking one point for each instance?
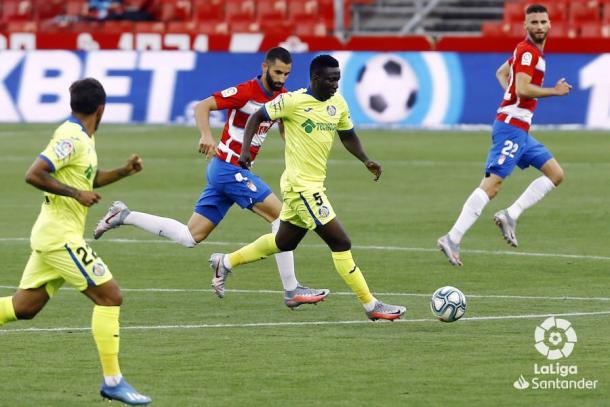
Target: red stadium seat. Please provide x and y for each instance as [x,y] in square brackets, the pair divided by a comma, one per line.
[175,10]
[76,8]
[86,27]
[176,27]
[244,26]
[591,30]
[21,26]
[606,12]
[242,10]
[493,29]
[271,10]
[558,11]
[276,27]
[513,12]
[303,9]
[149,27]
[117,27]
[581,12]
[46,9]
[311,28]
[209,10]
[17,10]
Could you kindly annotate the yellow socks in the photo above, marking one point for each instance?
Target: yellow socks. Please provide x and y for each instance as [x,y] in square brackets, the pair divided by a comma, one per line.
[259,249]
[105,329]
[351,274]
[7,311]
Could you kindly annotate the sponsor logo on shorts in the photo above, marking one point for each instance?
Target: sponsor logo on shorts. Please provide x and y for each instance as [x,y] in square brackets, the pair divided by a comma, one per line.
[99,269]
[323,211]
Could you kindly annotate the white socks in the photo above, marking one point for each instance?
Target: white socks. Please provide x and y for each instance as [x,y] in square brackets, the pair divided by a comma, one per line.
[285,263]
[470,213]
[112,380]
[534,193]
[166,227]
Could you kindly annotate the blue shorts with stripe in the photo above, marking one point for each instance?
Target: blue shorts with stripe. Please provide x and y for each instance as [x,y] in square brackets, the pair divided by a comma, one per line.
[512,146]
[229,184]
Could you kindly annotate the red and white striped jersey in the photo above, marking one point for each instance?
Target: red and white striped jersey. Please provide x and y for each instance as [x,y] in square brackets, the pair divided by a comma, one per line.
[527,58]
[242,101]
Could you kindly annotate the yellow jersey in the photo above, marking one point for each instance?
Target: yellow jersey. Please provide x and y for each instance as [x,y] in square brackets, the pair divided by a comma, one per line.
[73,160]
[310,126]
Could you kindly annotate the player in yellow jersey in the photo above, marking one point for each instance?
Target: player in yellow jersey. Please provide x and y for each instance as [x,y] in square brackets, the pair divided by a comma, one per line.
[312,117]
[67,172]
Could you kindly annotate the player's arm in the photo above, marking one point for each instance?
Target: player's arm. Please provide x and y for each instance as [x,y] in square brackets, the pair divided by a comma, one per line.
[525,88]
[207,144]
[39,176]
[352,144]
[252,125]
[105,177]
[503,75]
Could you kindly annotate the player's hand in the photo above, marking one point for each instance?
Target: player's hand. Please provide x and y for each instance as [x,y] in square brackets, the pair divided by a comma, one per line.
[245,159]
[87,198]
[134,165]
[562,87]
[207,145]
[374,167]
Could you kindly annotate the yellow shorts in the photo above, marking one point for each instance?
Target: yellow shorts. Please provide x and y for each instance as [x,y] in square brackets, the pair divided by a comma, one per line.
[77,264]
[307,209]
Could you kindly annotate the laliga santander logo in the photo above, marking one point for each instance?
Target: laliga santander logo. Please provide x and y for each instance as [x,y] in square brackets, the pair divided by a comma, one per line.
[555,338]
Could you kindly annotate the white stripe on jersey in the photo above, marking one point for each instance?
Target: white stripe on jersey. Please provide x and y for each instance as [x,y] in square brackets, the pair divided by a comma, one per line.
[517,112]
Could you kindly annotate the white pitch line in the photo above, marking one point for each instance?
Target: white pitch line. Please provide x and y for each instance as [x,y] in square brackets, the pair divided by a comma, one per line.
[357,247]
[304,323]
[348,293]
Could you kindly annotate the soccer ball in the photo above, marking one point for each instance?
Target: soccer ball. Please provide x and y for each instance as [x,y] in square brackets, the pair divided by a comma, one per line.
[386,88]
[448,304]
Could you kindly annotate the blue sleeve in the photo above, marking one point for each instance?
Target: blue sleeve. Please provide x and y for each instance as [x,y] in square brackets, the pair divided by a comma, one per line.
[48,161]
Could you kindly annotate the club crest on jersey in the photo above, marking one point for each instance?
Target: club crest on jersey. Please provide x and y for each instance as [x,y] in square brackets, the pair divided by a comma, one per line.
[251,186]
[323,211]
[331,110]
[99,269]
[229,92]
[63,149]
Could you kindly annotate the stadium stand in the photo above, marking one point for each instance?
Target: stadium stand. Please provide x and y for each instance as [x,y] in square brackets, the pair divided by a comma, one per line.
[308,18]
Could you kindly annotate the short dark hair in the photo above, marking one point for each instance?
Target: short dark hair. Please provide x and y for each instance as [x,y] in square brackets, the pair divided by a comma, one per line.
[321,62]
[278,53]
[86,95]
[535,8]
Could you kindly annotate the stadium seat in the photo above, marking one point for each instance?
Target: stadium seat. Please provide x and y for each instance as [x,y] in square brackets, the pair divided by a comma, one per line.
[17,10]
[493,29]
[76,8]
[311,28]
[47,9]
[584,12]
[175,10]
[117,27]
[302,9]
[558,11]
[21,26]
[513,12]
[209,10]
[606,12]
[240,10]
[590,30]
[85,27]
[149,27]
[271,10]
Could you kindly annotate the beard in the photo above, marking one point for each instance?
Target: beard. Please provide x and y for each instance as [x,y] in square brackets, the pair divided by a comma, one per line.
[273,85]
[538,38]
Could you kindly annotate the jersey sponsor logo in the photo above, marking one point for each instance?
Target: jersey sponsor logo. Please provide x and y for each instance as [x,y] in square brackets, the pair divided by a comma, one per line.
[227,93]
[308,109]
[89,171]
[99,269]
[63,149]
[331,110]
[526,59]
[309,126]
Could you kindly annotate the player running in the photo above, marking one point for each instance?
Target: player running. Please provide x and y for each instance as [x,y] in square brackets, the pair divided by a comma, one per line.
[67,171]
[312,117]
[228,183]
[521,77]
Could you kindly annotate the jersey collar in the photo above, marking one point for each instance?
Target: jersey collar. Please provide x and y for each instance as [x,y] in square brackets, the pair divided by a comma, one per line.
[310,93]
[528,39]
[260,83]
[75,120]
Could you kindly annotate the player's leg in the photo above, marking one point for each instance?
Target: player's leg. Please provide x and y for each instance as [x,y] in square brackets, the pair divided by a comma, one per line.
[82,268]
[119,214]
[339,243]
[505,152]
[539,157]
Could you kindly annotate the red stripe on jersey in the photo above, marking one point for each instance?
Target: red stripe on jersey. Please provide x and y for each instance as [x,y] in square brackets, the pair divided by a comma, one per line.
[242,101]
[526,58]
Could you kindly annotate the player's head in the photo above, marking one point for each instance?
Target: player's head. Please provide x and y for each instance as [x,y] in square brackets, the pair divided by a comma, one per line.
[324,75]
[276,67]
[537,23]
[88,97]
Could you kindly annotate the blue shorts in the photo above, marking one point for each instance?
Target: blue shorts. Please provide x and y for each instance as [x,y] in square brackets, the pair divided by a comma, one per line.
[512,146]
[229,184]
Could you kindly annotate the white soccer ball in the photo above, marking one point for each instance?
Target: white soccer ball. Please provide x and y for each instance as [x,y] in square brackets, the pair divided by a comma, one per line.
[386,88]
[448,304]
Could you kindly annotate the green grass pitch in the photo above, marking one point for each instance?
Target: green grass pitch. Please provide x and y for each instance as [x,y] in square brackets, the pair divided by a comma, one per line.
[185,347]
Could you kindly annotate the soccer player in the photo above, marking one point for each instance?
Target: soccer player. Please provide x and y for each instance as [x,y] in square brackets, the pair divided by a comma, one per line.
[312,117]
[67,172]
[228,183]
[521,77]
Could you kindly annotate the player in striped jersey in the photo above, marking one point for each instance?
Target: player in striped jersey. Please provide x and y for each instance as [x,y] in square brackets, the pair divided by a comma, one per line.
[228,183]
[521,78]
